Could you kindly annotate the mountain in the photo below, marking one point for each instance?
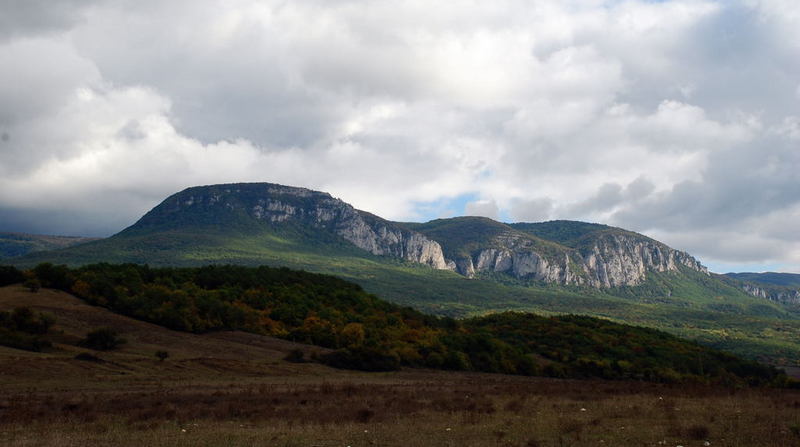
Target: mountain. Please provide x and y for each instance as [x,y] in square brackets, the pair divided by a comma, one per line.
[457,267]
[779,287]
[583,254]
[252,207]
[19,244]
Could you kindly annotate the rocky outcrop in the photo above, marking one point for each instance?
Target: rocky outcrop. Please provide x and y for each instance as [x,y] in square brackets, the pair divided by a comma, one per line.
[777,294]
[383,238]
[607,260]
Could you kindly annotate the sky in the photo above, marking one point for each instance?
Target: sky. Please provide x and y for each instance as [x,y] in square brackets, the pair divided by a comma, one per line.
[678,119]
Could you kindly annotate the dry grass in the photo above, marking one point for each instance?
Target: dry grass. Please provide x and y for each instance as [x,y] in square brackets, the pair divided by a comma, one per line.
[408,409]
[235,389]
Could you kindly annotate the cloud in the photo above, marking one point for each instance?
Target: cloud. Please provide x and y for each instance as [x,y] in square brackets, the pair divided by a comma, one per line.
[676,118]
[484,208]
[39,17]
[532,210]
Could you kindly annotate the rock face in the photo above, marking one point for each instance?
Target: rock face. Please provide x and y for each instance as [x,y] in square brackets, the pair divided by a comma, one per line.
[777,294]
[383,238]
[277,204]
[604,260]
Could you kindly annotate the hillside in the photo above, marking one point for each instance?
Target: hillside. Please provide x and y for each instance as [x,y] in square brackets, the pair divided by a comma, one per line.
[781,288]
[455,267]
[19,244]
[211,356]
[234,388]
[372,334]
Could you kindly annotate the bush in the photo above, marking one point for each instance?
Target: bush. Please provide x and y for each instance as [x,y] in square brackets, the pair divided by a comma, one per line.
[363,359]
[103,339]
[24,329]
[10,275]
[295,356]
[25,320]
[21,340]
[32,284]
[162,355]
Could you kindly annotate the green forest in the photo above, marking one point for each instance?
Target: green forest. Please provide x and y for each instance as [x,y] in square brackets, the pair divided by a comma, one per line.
[367,333]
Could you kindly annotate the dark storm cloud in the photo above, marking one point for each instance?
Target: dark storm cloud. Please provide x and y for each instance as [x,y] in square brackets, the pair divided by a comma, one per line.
[27,18]
[101,222]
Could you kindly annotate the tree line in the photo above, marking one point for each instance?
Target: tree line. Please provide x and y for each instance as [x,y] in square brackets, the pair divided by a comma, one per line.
[368,333]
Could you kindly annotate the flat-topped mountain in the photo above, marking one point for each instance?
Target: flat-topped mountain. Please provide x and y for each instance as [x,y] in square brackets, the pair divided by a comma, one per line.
[577,254]
[263,206]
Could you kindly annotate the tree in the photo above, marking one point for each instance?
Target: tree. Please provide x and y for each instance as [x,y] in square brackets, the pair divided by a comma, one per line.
[295,356]
[32,284]
[10,275]
[353,335]
[103,339]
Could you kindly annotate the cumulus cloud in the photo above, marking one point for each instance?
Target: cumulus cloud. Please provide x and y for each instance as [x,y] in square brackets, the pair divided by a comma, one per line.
[676,118]
[484,208]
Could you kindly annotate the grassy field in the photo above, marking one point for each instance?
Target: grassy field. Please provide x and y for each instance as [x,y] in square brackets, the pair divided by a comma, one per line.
[403,409]
[231,388]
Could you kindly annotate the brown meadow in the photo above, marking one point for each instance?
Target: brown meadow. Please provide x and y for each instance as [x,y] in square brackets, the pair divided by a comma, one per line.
[231,388]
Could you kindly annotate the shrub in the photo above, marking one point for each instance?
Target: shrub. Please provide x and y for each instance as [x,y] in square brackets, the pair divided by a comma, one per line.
[24,329]
[295,356]
[362,358]
[162,355]
[32,284]
[25,320]
[10,275]
[103,339]
[21,340]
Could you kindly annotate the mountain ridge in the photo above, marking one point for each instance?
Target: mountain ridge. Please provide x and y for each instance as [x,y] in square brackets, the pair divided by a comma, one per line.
[602,258]
[19,244]
[778,287]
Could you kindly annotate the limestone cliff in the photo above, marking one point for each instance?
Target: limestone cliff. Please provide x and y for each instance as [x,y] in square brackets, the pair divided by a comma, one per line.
[277,204]
[778,294]
[600,257]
